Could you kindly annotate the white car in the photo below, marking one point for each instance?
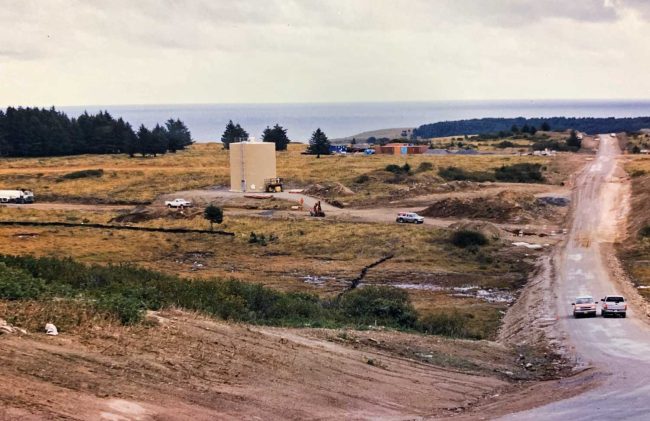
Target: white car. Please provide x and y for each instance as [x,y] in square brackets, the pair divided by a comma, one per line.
[412,217]
[584,306]
[613,305]
[178,203]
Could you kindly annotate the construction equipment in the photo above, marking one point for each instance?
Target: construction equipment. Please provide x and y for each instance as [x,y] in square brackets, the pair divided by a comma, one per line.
[272,185]
[317,211]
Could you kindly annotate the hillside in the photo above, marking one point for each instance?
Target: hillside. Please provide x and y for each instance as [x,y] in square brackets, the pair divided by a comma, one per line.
[494,125]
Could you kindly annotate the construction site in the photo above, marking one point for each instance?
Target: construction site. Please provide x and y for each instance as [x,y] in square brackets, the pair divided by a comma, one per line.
[289,229]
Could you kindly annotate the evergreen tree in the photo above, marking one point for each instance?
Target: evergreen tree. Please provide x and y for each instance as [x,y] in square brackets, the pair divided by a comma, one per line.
[514,128]
[573,142]
[158,141]
[525,129]
[545,127]
[213,214]
[233,133]
[319,144]
[533,130]
[143,140]
[178,136]
[277,135]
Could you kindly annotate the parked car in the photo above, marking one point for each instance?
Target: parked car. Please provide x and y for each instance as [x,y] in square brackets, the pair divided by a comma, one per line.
[584,306]
[16,196]
[178,203]
[412,217]
[613,305]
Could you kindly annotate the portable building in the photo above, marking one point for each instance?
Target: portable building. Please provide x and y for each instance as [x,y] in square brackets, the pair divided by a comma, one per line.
[401,149]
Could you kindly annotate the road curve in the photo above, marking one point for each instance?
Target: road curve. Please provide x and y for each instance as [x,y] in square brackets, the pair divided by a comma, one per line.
[618,348]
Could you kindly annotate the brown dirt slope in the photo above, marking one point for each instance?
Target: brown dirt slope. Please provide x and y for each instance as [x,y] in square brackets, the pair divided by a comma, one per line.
[181,366]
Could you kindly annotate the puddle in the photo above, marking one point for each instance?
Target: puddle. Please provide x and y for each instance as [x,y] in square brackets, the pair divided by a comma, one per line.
[471,291]
[317,280]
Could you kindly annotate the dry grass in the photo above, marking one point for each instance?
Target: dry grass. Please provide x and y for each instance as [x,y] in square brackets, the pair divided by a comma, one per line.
[133,180]
[636,251]
[330,250]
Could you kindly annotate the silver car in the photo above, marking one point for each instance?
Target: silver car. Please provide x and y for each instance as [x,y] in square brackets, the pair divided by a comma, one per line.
[412,217]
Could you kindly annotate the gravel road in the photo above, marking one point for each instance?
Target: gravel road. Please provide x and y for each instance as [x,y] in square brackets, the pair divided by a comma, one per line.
[618,348]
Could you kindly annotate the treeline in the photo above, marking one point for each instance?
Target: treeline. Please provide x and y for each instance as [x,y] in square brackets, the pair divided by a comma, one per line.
[48,132]
[496,125]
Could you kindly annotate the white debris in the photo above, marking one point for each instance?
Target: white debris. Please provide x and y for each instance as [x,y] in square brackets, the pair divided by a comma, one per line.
[7,328]
[50,329]
[528,245]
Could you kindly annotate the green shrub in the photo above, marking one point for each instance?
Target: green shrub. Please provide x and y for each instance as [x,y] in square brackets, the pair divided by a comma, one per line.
[520,173]
[468,238]
[363,178]
[459,174]
[396,169]
[82,174]
[505,144]
[17,284]
[452,324]
[383,305]
[128,309]
[424,166]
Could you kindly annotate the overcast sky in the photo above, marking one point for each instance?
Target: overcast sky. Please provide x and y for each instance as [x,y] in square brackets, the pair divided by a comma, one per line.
[81,52]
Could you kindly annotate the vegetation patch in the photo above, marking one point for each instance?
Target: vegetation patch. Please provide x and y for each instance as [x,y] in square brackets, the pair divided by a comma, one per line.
[459,174]
[82,174]
[468,238]
[520,173]
[124,292]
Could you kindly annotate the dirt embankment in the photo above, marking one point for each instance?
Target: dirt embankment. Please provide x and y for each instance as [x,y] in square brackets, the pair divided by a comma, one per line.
[505,207]
[181,366]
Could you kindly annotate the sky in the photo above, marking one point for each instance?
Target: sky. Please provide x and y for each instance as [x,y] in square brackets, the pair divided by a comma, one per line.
[85,52]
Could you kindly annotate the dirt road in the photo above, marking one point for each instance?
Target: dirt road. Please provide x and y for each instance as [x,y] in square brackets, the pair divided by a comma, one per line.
[618,348]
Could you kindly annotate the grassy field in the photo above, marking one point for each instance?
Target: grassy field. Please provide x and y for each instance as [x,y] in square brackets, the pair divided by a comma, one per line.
[317,256]
[139,180]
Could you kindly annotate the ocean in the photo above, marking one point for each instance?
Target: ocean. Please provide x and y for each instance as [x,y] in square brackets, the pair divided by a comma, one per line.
[207,121]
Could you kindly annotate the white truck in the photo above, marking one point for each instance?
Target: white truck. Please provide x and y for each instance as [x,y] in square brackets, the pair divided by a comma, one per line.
[613,305]
[16,196]
[178,203]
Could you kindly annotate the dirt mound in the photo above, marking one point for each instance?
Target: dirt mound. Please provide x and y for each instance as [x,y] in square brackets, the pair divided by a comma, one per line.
[328,190]
[507,206]
[144,213]
[485,228]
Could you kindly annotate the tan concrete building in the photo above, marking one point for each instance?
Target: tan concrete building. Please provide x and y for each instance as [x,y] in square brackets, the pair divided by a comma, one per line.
[250,164]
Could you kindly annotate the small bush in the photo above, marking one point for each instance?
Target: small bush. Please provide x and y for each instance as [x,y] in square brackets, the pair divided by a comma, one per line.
[459,174]
[17,284]
[82,174]
[453,325]
[363,178]
[520,173]
[468,238]
[383,305]
[638,173]
[505,144]
[128,309]
[396,169]
[424,166]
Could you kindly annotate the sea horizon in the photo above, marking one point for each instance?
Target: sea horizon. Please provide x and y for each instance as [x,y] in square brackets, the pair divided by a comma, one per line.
[343,119]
